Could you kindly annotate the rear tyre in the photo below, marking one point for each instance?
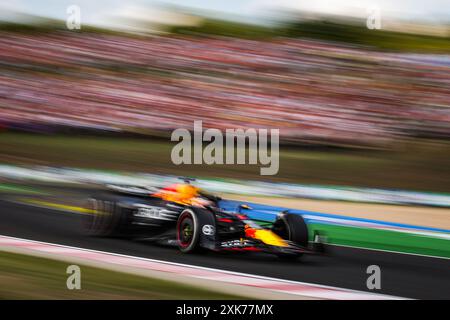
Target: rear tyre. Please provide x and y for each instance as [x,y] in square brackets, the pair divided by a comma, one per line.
[104,218]
[188,231]
[291,227]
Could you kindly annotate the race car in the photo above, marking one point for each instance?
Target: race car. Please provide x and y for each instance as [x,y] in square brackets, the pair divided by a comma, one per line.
[191,219]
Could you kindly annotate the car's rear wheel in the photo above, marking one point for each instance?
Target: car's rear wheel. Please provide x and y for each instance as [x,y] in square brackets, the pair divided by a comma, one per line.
[188,231]
[291,227]
[104,218]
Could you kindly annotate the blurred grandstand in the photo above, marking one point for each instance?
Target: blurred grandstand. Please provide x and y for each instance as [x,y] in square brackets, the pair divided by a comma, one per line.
[314,90]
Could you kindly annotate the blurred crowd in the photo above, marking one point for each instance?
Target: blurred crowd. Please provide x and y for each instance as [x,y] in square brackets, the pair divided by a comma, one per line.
[313,91]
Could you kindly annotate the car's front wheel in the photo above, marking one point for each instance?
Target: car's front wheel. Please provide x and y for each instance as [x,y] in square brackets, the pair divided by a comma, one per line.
[291,227]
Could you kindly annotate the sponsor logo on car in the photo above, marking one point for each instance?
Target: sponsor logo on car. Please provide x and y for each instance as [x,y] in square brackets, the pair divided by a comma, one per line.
[208,230]
[152,212]
[234,243]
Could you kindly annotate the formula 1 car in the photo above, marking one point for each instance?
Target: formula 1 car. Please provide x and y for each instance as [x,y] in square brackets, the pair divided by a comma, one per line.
[191,219]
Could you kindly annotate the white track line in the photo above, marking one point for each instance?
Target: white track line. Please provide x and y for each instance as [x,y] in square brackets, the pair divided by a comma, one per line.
[294,288]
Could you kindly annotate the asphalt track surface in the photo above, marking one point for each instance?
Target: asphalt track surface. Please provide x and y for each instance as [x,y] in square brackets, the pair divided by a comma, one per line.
[401,275]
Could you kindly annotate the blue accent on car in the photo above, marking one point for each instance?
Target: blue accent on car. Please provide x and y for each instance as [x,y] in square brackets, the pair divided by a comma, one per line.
[269,214]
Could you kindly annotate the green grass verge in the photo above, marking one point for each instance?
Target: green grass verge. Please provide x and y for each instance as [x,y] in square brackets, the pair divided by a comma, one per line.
[419,167]
[29,277]
[382,239]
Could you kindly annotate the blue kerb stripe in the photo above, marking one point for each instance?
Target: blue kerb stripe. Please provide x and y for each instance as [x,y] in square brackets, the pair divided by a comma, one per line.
[268,213]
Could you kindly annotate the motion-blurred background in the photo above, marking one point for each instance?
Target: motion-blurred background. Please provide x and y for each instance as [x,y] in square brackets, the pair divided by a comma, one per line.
[355,105]
[360,91]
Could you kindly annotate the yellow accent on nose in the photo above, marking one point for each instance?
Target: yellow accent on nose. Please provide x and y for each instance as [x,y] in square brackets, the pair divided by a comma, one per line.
[270,238]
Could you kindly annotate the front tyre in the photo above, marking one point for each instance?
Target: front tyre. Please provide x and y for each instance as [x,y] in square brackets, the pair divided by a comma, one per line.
[291,227]
[188,231]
